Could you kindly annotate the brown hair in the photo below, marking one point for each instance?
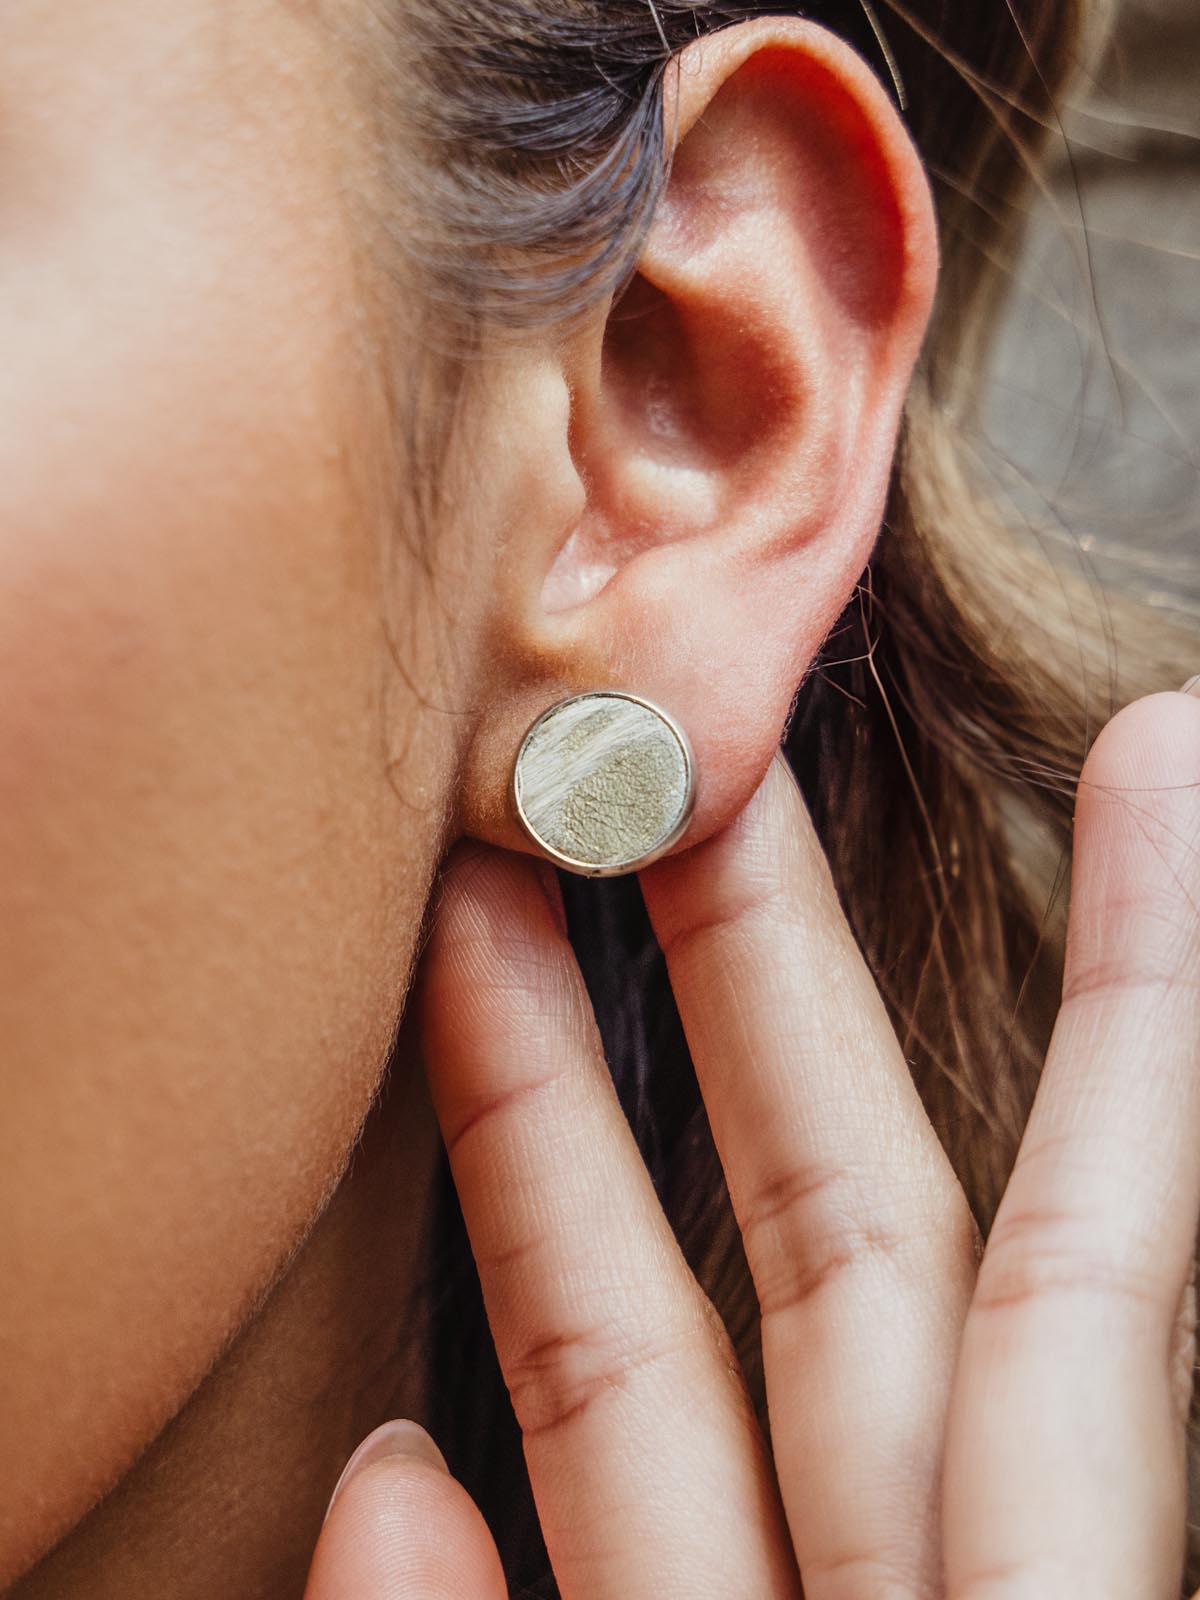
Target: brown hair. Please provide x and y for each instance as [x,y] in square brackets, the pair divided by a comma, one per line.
[939,736]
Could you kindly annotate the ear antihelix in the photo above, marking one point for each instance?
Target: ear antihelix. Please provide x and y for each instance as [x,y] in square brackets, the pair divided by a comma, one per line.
[604,783]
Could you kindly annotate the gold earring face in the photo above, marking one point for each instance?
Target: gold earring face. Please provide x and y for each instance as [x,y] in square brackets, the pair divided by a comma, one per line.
[604,783]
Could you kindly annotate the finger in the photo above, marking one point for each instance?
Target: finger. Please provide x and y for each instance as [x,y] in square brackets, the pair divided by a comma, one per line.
[647,1465]
[860,1241]
[1066,1463]
[400,1528]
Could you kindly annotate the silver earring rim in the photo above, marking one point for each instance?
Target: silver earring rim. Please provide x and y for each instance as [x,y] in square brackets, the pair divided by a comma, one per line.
[588,869]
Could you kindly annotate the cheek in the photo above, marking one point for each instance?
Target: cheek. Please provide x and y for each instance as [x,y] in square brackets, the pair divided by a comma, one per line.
[208,891]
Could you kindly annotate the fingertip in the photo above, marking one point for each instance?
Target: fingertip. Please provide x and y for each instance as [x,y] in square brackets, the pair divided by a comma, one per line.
[481,880]
[401,1438]
[400,1527]
[742,863]
[547,876]
[1136,875]
[1153,742]
[461,866]
[498,979]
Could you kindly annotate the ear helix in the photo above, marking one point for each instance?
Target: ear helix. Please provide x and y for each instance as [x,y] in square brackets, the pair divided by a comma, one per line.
[604,783]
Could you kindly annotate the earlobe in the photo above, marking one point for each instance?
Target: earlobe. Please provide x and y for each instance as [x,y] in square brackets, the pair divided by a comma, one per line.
[733,416]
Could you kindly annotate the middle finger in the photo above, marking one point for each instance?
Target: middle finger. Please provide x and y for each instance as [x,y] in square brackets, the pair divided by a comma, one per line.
[858,1235]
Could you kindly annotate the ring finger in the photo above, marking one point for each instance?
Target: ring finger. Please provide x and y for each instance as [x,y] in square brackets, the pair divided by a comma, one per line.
[1066,1465]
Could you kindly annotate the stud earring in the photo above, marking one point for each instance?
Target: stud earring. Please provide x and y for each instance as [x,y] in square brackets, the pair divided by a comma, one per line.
[604,783]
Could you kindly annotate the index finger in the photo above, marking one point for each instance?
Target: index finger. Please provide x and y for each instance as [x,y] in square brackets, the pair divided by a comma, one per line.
[859,1238]
[634,1413]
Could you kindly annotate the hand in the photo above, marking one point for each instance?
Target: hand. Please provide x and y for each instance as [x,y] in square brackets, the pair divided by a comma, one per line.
[999,1424]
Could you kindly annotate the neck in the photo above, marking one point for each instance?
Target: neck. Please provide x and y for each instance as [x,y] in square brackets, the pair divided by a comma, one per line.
[229,1498]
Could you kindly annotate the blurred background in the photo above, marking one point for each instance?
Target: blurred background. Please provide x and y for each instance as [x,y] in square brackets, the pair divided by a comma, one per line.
[1092,422]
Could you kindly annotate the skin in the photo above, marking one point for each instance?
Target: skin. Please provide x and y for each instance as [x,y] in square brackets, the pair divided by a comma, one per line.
[947,1420]
[247,714]
[212,879]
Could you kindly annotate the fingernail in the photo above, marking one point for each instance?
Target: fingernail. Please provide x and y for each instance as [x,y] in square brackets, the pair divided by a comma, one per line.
[399,1438]
[1192,686]
[553,892]
[781,760]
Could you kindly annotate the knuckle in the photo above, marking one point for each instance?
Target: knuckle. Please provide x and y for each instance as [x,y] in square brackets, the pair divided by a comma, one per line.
[511,1255]
[804,1229]
[1164,965]
[755,896]
[882,1576]
[553,1381]
[1020,1580]
[807,1229]
[485,1112]
[1039,1254]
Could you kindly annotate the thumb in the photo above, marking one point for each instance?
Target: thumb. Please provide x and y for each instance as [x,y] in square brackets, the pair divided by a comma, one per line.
[399,1527]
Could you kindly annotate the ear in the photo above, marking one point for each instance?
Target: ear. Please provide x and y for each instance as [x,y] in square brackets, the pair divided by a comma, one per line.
[722,436]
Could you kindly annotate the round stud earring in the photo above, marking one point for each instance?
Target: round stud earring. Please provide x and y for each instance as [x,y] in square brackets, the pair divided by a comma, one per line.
[604,783]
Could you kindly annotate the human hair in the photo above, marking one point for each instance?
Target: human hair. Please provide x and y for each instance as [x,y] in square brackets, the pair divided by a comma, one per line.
[939,735]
